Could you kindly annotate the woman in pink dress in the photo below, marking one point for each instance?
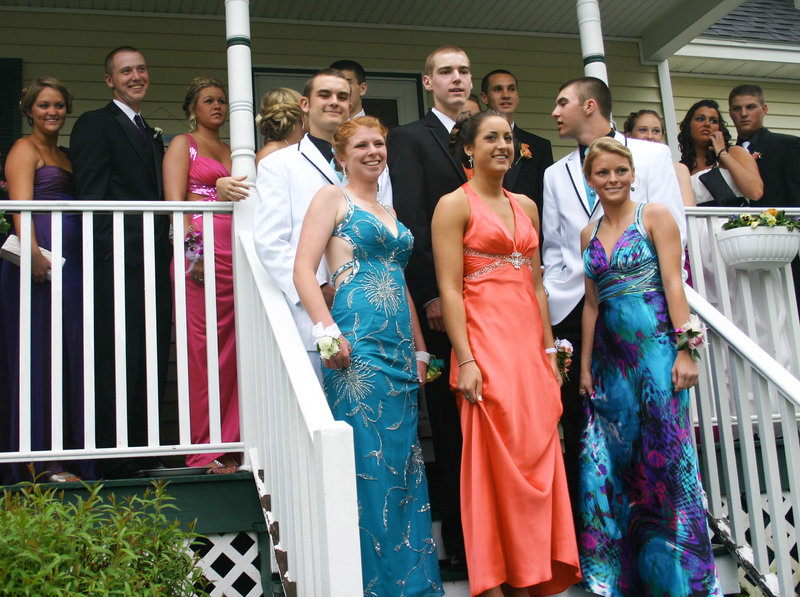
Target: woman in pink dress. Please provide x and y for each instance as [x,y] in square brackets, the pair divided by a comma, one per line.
[197,168]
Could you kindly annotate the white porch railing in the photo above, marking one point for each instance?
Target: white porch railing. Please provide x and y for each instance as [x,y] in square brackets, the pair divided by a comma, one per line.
[302,460]
[155,445]
[302,457]
[747,406]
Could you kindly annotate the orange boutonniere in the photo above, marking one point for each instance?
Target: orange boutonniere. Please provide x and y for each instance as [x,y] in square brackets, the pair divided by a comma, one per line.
[523,151]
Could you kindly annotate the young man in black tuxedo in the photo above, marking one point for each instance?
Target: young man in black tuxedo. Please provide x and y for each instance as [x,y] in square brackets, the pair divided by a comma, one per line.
[777,155]
[533,154]
[116,156]
[422,170]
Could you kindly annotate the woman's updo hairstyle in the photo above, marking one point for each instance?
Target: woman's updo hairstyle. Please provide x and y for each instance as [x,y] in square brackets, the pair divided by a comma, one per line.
[349,128]
[280,112]
[190,101]
[32,91]
[604,145]
[466,131]
[633,118]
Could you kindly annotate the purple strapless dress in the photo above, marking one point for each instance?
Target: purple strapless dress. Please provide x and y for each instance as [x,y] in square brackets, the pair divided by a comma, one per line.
[50,183]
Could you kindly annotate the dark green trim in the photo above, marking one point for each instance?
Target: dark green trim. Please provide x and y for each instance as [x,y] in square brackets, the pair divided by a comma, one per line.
[594,58]
[238,41]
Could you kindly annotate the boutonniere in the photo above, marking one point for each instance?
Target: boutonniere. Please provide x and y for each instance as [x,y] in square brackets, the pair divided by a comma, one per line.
[158,133]
[523,151]
[757,155]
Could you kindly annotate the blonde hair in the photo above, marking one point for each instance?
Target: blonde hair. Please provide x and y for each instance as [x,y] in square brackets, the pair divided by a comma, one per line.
[430,61]
[280,112]
[604,145]
[190,101]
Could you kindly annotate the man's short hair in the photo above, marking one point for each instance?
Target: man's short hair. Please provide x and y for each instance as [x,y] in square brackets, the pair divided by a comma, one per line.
[592,88]
[429,61]
[325,72]
[746,89]
[498,71]
[355,67]
[110,57]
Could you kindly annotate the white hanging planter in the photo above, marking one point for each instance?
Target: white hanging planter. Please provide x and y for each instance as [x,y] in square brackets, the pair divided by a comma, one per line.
[763,247]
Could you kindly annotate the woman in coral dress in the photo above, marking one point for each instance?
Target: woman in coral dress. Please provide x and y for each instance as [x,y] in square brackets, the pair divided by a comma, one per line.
[515,508]
[197,168]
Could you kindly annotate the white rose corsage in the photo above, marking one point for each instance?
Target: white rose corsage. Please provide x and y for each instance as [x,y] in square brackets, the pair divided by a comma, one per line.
[327,339]
[691,335]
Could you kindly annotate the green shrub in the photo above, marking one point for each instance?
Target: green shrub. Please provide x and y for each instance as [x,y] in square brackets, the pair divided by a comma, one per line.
[94,546]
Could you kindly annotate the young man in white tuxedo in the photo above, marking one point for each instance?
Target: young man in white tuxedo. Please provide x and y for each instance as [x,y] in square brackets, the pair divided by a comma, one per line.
[583,113]
[286,182]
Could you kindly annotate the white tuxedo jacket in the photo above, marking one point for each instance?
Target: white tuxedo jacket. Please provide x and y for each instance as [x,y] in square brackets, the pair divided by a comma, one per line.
[286,182]
[566,211]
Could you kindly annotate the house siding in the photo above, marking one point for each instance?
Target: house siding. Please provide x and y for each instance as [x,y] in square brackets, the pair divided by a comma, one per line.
[783,99]
[71,46]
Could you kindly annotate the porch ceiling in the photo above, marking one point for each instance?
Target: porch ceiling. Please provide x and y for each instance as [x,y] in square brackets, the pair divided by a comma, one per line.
[661,25]
[663,28]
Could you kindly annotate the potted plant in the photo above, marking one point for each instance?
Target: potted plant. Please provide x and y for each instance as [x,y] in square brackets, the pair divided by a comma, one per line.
[767,240]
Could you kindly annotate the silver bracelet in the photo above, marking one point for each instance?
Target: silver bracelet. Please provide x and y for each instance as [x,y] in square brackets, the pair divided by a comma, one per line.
[551,350]
[423,356]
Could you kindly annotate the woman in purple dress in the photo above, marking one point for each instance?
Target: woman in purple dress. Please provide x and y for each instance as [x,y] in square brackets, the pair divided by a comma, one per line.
[38,169]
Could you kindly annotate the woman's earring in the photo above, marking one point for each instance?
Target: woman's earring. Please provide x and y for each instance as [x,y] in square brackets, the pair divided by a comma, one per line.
[193,122]
[469,158]
[633,188]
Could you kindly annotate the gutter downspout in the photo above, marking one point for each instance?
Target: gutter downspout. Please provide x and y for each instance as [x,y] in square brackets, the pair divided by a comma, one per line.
[591,34]
[668,107]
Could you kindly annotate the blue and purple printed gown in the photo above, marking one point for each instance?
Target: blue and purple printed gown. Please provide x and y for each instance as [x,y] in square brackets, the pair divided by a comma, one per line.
[642,527]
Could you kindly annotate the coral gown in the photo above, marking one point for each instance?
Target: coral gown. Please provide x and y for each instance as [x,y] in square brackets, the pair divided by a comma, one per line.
[515,506]
[203,175]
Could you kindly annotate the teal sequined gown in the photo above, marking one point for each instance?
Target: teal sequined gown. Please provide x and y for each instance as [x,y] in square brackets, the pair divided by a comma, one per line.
[642,527]
[377,396]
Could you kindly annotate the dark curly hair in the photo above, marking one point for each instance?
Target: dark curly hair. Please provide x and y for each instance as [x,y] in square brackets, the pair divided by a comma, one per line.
[685,142]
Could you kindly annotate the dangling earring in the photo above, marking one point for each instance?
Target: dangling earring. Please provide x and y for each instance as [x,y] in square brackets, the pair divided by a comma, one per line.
[633,188]
[469,158]
[344,170]
[193,123]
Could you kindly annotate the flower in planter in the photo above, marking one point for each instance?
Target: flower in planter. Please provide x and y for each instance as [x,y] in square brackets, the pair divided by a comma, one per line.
[769,217]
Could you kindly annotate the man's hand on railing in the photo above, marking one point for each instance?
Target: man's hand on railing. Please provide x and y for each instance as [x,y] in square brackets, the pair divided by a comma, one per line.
[684,371]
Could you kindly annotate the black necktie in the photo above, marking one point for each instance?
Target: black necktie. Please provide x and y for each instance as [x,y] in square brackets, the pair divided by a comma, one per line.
[137,120]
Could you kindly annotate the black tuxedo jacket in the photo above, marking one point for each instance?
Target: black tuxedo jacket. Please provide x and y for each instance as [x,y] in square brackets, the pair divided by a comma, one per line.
[422,170]
[778,159]
[111,162]
[526,176]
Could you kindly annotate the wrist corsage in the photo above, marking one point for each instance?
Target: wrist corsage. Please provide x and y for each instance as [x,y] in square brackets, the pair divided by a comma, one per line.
[691,335]
[193,246]
[327,339]
[435,367]
[564,352]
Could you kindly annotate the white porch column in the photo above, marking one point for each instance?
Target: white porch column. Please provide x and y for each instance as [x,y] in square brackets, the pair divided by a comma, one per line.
[668,107]
[591,32]
[240,102]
